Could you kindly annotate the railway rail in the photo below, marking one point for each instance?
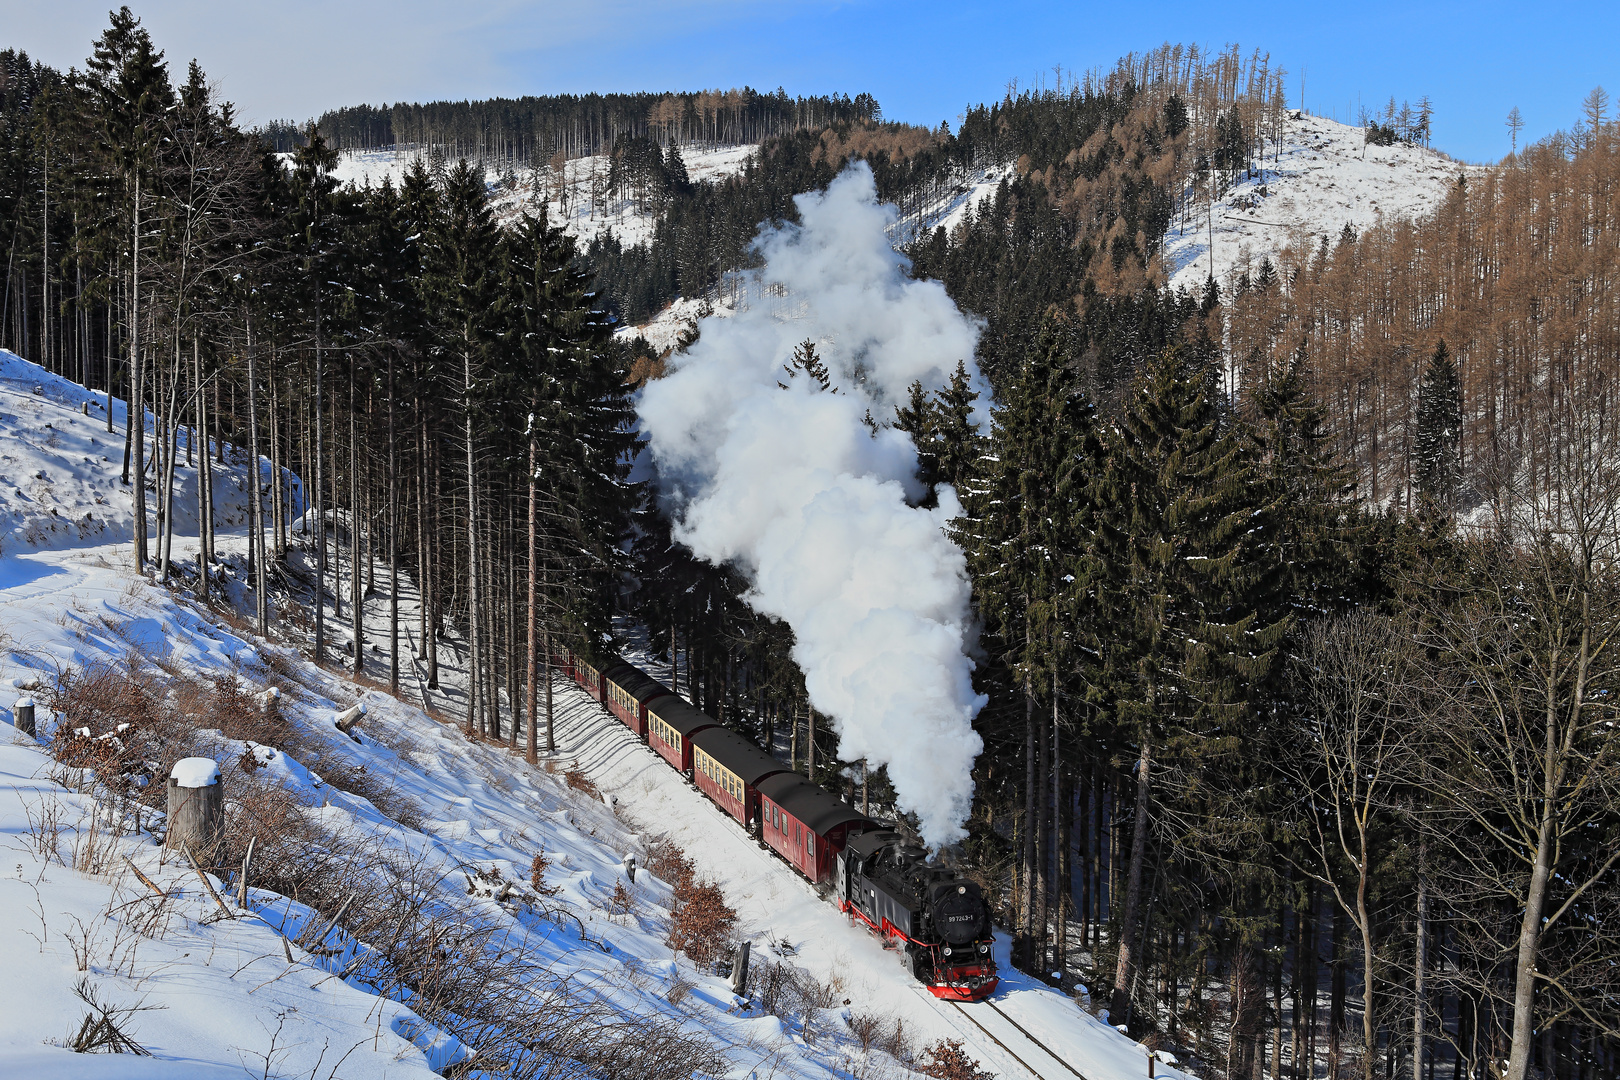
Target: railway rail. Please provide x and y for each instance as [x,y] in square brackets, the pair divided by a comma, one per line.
[1015,1040]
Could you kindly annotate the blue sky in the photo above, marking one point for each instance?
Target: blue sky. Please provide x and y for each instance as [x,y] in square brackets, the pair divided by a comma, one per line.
[923,61]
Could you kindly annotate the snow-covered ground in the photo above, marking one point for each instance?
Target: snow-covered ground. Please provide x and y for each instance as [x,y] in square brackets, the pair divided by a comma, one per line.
[1325,178]
[966,193]
[227,990]
[571,204]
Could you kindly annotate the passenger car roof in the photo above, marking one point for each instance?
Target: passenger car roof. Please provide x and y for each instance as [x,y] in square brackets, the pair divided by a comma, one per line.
[635,682]
[808,802]
[678,714]
[736,753]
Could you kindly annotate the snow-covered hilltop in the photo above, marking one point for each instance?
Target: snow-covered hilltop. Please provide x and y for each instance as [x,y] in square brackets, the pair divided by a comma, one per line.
[1326,177]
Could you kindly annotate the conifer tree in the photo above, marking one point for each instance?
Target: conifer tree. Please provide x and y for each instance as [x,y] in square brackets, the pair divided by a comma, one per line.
[1436,447]
[1189,616]
[1316,514]
[563,382]
[130,81]
[917,418]
[313,227]
[461,283]
[1026,532]
[956,437]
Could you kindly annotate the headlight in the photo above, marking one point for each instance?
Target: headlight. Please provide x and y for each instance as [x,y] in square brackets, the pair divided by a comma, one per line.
[984,948]
[947,950]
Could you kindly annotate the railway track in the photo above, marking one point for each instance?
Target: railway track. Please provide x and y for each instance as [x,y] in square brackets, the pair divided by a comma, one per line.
[1037,1059]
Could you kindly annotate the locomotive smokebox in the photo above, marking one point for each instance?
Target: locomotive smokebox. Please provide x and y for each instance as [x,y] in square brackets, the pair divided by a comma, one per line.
[958,912]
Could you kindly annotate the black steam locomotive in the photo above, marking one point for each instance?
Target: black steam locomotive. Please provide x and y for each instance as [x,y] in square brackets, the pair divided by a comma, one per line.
[940,917]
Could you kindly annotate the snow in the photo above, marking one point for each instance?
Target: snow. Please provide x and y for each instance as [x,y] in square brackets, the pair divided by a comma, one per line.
[195,772]
[964,195]
[664,330]
[60,471]
[1325,177]
[582,217]
[218,996]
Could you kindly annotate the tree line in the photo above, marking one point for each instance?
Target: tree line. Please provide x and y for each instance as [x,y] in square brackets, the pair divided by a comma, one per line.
[435,397]
[517,131]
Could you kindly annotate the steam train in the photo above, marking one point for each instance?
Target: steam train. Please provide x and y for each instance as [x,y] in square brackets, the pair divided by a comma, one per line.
[938,918]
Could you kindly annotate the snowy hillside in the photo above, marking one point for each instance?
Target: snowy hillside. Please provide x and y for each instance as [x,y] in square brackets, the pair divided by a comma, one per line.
[1324,178]
[571,204]
[284,986]
[61,469]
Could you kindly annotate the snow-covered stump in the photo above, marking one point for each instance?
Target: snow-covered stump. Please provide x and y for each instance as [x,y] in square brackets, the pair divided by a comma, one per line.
[349,717]
[22,715]
[196,808]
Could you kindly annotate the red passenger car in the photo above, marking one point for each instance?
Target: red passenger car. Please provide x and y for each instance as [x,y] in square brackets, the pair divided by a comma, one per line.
[587,676]
[728,769]
[804,824]
[671,723]
[627,690]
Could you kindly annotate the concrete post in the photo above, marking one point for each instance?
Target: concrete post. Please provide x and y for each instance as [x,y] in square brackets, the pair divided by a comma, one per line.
[22,715]
[196,808]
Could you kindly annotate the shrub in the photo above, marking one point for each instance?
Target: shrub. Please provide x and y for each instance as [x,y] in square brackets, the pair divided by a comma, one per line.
[537,875]
[946,1060]
[701,922]
[577,780]
[665,859]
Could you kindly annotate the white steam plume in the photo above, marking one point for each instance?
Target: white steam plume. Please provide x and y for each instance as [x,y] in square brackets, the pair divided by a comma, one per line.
[792,486]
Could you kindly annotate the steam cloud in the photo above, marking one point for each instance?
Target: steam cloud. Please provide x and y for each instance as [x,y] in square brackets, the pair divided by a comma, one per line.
[792,486]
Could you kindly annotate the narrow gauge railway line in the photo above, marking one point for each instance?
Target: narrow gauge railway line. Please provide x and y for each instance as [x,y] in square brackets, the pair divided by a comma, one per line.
[1014,1039]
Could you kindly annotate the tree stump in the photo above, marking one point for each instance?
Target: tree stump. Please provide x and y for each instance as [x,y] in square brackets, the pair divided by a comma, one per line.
[196,808]
[22,715]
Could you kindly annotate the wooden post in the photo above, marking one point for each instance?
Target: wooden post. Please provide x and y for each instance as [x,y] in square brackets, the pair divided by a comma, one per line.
[196,807]
[739,971]
[22,715]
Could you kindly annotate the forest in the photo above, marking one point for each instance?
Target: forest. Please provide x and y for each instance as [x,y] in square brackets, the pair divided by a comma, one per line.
[1300,600]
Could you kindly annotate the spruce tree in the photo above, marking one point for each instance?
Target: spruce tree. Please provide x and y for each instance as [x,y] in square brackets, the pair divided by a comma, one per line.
[1026,531]
[956,437]
[1189,616]
[461,283]
[1319,526]
[917,418]
[1436,447]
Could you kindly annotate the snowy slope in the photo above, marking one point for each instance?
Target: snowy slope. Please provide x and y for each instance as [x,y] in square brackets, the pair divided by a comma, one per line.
[1324,178]
[581,215]
[965,194]
[220,993]
[61,470]
[223,997]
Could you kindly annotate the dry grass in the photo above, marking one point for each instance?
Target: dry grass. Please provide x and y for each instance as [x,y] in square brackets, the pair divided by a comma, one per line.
[461,970]
[382,792]
[784,990]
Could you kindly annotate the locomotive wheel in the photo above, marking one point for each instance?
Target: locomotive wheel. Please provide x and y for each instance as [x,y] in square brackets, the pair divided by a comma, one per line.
[922,968]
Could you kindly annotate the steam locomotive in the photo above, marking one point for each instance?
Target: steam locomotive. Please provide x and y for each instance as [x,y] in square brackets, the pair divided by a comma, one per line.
[941,918]
[938,918]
